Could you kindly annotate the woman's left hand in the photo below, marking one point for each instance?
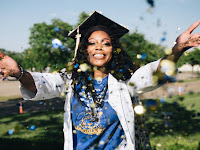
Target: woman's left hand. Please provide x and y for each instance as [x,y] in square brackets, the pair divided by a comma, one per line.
[187,40]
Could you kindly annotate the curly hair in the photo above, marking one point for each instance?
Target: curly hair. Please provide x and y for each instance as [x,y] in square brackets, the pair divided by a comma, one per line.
[120,66]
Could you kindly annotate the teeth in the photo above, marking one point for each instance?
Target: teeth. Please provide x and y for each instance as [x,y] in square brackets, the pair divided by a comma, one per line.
[98,55]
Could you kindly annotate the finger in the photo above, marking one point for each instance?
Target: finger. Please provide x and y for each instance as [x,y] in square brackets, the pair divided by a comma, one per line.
[4,76]
[2,55]
[192,44]
[192,27]
[196,35]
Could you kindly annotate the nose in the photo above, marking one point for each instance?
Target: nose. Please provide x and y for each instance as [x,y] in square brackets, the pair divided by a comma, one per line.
[99,46]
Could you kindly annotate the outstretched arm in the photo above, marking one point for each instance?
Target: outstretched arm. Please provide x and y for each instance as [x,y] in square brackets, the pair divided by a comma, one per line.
[9,67]
[184,42]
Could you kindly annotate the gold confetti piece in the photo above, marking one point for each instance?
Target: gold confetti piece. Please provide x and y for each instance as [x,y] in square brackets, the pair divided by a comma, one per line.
[139,92]
[168,67]
[84,67]
[92,105]
[139,56]
[62,94]
[74,131]
[139,109]
[158,145]
[118,50]
[168,51]
[99,78]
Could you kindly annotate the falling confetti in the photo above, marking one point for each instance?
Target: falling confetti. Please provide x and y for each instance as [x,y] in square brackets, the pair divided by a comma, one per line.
[11,131]
[32,127]
[151,2]
[139,109]
[162,39]
[163,100]
[168,51]
[56,43]
[56,29]
[168,67]
[83,67]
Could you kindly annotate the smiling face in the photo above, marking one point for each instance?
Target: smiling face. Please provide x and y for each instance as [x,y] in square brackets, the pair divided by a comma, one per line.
[99,48]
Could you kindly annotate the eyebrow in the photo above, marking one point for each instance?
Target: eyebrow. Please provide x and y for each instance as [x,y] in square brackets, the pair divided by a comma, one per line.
[102,39]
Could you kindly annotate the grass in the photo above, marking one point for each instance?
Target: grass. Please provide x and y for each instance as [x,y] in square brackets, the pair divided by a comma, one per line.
[164,142]
[176,121]
[191,80]
[10,98]
[48,124]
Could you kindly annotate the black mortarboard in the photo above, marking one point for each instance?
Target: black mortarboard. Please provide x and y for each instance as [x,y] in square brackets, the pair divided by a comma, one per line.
[96,19]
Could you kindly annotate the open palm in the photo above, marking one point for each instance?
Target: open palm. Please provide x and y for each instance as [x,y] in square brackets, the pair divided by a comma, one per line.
[8,66]
[187,40]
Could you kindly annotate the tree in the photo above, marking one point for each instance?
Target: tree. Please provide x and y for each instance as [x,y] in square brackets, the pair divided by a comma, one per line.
[191,58]
[82,18]
[141,50]
[41,53]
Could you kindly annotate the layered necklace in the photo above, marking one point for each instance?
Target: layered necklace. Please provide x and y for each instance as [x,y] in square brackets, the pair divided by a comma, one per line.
[96,98]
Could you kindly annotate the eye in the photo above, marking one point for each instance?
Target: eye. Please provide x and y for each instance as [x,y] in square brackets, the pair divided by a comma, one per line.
[107,44]
[91,43]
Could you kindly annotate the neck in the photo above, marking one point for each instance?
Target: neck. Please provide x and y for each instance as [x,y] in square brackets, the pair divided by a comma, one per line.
[100,73]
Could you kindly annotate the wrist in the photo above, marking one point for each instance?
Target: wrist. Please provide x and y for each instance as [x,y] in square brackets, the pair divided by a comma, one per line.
[21,73]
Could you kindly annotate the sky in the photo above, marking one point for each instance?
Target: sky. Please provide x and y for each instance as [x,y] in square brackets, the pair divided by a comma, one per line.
[166,20]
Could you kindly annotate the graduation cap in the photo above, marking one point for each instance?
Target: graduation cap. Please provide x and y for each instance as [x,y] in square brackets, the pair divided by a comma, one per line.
[96,19]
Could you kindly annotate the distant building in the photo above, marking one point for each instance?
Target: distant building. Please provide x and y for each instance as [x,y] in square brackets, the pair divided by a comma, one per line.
[188,67]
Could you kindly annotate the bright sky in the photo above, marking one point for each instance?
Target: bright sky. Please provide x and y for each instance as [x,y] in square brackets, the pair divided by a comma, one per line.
[174,17]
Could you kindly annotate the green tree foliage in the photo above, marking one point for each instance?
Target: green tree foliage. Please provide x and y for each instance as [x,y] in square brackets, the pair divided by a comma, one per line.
[136,46]
[41,54]
[82,18]
[191,58]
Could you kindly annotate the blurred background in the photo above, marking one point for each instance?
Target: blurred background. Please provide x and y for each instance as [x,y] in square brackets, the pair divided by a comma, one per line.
[35,32]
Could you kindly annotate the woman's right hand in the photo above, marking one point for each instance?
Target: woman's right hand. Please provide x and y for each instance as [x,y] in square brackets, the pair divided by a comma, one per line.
[8,67]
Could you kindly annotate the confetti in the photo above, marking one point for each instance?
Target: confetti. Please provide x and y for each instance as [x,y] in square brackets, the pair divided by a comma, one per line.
[56,29]
[163,100]
[11,131]
[168,67]
[56,43]
[158,145]
[139,92]
[101,143]
[32,127]
[83,67]
[151,2]
[139,109]
[168,51]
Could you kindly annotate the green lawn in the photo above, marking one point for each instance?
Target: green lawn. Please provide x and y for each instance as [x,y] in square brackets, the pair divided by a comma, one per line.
[175,121]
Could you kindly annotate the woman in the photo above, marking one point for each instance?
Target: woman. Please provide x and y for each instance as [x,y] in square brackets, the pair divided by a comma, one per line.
[98,107]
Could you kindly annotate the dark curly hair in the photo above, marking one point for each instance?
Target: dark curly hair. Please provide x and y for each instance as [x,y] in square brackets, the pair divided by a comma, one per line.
[120,66]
